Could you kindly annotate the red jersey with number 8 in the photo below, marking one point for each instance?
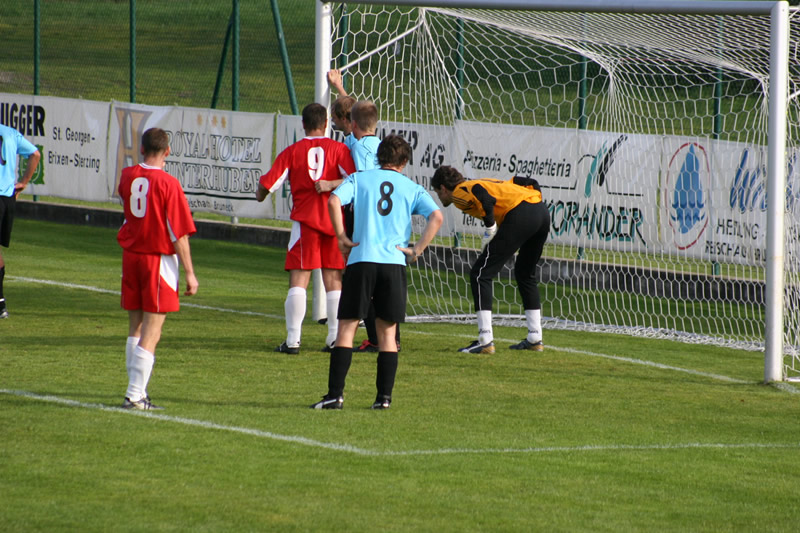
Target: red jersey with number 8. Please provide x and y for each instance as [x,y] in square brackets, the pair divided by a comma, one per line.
[305,162]
[156,211]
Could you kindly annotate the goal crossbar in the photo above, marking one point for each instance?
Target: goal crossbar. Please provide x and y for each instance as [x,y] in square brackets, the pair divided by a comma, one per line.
[690,7]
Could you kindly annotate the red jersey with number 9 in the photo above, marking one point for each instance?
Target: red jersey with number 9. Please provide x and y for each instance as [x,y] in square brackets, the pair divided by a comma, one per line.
[156,211]
[305,162]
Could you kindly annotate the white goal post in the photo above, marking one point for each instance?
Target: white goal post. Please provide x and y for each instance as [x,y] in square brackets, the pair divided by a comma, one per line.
[658,131]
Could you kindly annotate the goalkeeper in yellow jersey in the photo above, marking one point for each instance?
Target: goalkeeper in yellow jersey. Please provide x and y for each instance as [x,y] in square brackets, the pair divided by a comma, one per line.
[516,219]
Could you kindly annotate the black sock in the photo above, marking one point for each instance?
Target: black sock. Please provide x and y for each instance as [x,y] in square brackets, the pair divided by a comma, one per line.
[340,364]
[387,369]
[2,275]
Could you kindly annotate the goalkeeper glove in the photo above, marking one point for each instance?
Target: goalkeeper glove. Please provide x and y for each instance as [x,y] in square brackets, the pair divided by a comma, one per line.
[488,235]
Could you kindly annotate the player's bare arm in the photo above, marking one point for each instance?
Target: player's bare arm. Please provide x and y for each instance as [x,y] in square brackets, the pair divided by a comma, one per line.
[335,81]
[261,193]
[185,256]
[326,185]
[33,162]
[435,220]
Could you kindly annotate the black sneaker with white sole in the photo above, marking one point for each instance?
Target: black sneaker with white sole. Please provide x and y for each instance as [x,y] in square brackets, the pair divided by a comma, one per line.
[527,345]
[382,402]
[283,348]
[329,402]
[477,347]
[142,405]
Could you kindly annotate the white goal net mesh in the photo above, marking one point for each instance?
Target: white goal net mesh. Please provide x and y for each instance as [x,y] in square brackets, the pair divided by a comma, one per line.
[646,132]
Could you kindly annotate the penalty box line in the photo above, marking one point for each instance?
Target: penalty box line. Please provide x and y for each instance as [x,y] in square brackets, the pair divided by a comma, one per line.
[785,387]
[294,439]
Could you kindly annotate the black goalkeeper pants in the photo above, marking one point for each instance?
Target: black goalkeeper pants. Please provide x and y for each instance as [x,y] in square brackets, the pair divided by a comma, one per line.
[524,229]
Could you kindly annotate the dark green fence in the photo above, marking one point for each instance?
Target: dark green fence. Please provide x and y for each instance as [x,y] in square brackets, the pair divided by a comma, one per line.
[185,51]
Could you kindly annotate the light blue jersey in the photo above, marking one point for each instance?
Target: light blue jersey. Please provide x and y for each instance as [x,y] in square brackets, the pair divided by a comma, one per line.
[12,143]
[365,152]
[383,202]
[349,141]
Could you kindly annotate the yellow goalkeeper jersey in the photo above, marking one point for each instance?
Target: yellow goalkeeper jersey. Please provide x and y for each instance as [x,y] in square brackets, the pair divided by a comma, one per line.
[507,195]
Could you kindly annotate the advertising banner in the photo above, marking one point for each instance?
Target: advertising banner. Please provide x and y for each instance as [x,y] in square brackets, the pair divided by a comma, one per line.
[714,200]
[218,156]
[696,197]
[71,137]
[600,187]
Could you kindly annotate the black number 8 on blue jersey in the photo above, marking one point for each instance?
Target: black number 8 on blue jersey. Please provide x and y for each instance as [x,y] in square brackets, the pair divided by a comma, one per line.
[385,201]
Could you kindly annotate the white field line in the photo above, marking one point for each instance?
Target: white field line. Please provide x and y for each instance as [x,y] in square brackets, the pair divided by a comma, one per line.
[780,386]
[399,453]
[188,422]
[444,451]
[786,387]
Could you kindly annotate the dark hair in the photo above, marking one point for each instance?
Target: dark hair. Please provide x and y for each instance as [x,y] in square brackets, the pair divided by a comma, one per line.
[155,141]
[447,177]
[394,151]
[341,107]
[314,116]
[365,114]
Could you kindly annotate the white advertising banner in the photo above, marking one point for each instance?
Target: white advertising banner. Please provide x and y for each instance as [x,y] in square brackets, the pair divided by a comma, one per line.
[714,200]
[218,156]
[695,197]
[600,187]
[70,135]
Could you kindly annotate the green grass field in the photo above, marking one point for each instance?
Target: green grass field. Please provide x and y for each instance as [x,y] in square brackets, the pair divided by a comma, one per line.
[597,433]
[84,52]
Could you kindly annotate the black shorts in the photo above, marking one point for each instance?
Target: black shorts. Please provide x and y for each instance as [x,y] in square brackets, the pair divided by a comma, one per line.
[7,204]
[383,285]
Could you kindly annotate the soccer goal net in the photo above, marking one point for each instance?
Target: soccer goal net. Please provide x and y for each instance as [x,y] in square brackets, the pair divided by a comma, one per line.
[648,132]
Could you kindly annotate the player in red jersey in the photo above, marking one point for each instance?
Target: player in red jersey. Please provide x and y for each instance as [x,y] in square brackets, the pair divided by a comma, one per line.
[313,242]
[154,237]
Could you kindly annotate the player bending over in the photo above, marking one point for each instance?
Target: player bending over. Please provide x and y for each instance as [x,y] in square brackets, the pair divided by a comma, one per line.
[383,202]
[516,219]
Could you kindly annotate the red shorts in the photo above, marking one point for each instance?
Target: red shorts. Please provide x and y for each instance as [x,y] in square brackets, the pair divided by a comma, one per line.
[150,282]
[310,249]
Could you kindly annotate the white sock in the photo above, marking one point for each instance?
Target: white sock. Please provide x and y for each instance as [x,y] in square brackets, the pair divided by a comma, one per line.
[533,317]
[485,333]
[295,310]
[332,301]
[131,343]
[139,373]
